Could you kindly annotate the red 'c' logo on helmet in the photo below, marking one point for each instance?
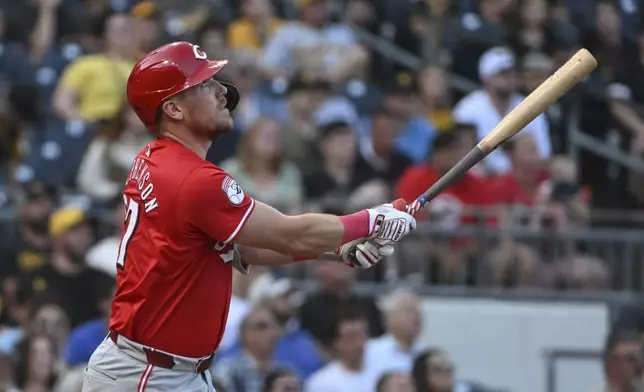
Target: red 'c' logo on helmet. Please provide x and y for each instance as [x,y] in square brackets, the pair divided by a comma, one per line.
[199,54]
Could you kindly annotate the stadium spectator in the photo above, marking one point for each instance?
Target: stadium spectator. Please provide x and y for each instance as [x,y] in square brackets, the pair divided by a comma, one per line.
[469,35]
[48,318]
[622,361]
[245,371]
[395,351]
[239,306]
[436,97]
[211,36]
[333,181]
[92,87]
[108,158]
[350,371]
[518,189]
[303,97]
[35,370]
[255,27]
[607,40]
[27,246]
[336,291]
[146,20]
[395,382]
[380,157]
[416,133]
[531,32]
[433,371]
[85,338]
[450,207]
[65,275]
[296,346]
[486,107]
[100,257]
[313,45]
[282,380]
[262,170]
[513,264]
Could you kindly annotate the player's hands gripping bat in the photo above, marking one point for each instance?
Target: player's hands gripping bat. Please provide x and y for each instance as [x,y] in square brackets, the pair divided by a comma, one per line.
[573,71]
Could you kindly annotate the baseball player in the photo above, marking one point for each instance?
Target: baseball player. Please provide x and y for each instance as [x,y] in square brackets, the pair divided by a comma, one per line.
[188,224]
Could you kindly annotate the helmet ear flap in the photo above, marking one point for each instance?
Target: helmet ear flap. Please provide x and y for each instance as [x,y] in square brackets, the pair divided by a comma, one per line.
[232,96]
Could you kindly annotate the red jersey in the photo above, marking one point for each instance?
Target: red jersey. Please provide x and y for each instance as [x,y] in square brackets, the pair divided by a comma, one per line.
[508,191]
[468,191]
[174,273]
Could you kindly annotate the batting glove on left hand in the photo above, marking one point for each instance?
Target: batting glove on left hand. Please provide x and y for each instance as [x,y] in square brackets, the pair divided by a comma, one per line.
[363,253]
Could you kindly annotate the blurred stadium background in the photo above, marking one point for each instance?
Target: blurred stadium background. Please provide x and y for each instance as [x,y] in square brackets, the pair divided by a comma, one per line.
[525,276]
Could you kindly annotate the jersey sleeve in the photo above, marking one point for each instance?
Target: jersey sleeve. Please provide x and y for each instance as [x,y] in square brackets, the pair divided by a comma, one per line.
[215,203]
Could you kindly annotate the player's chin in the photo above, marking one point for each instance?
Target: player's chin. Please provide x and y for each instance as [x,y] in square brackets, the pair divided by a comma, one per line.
[225,121]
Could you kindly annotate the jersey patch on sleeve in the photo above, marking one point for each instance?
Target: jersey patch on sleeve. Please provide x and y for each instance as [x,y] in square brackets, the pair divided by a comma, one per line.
[233,191]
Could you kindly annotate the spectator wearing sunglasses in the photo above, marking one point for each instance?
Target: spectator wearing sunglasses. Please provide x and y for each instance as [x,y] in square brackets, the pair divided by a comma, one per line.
[245,371]
[282,380]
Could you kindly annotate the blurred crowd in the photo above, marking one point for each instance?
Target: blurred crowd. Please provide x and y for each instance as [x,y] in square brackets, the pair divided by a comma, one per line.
[345,104]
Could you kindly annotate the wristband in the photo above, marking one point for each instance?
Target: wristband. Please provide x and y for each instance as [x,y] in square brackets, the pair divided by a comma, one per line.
[356,226]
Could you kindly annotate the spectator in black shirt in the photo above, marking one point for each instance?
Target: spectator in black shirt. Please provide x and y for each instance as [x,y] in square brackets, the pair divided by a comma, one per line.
[333,181]
[380,158]
[66,277]
[26,248]
[336,292]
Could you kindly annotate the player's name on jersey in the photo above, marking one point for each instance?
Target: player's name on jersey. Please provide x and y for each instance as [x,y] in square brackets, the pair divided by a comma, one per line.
[140,174]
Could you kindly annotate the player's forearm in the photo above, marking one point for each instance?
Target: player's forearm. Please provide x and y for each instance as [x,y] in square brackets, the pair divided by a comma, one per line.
[306,234]
[269,258]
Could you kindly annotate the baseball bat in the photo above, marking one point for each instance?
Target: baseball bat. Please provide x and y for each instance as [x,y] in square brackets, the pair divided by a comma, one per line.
[548,92]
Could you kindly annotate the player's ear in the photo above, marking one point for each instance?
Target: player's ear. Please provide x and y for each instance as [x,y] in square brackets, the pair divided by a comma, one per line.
[173,109]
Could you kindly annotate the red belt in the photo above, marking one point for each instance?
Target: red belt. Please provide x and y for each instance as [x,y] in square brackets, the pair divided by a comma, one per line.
[166,361]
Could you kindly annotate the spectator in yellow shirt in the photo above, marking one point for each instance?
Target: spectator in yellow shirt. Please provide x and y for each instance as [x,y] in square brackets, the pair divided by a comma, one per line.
[92,88]
[257,25]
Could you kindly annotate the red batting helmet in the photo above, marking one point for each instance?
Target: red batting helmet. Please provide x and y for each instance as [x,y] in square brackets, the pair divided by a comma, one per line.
[167,71]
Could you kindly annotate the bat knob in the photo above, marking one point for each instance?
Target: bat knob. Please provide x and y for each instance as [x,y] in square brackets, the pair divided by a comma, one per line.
[400,204]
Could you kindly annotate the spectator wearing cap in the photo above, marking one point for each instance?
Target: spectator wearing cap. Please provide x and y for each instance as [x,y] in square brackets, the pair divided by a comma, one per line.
[313,45]
[92,88]
[295,347]
[350,370]
[246,370]
[66,276]
[486,107]
[622,361]
[336,291]
[148,30]
[333,181]
[472,33]
[27,246]
[380,157]
[256,26]
[396,349]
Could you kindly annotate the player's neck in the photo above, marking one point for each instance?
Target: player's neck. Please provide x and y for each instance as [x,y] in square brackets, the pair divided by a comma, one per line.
[192,143]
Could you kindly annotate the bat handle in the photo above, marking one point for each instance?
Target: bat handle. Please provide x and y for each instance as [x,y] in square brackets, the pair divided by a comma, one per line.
[411,209]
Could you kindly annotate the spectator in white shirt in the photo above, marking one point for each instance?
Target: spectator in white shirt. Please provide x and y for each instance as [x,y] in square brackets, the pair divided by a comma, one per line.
[313,45]
[487,107]
[395,382]
[349,371]
[395,351]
